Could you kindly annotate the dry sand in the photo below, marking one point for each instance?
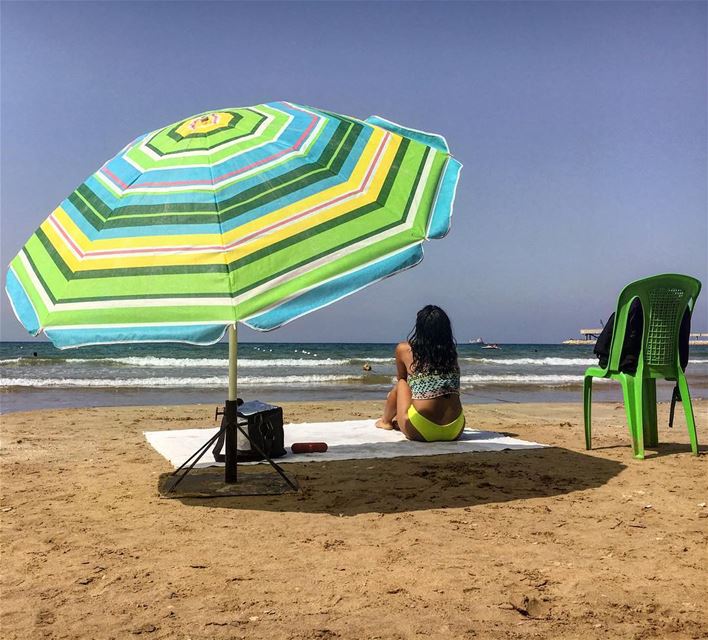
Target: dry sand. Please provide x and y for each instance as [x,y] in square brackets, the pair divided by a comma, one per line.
[553,543]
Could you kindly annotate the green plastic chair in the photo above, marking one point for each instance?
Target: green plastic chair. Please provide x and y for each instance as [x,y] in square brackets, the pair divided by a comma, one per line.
[664,299]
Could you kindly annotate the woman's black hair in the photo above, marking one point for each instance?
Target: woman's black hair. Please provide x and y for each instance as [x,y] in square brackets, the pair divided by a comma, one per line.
[432,342]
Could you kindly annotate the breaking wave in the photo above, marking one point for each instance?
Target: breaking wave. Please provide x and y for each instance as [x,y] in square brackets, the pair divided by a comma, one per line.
[166,382]
[514,380]
[152,361]
[551,362]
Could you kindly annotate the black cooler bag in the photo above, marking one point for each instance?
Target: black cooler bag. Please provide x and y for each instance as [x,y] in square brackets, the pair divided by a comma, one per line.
[264,425]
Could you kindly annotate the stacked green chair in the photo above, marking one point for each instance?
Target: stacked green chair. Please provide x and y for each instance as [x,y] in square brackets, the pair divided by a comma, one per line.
[664,299]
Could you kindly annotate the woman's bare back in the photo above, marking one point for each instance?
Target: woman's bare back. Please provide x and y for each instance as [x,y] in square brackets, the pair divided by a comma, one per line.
[441,410]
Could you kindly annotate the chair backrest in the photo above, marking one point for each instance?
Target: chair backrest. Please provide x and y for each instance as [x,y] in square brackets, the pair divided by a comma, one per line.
[664,299]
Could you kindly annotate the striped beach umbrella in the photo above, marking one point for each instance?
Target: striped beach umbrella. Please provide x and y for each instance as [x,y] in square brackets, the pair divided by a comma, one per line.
[256,215]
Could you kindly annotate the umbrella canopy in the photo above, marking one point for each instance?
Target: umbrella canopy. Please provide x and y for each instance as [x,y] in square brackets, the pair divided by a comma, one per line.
[257,214]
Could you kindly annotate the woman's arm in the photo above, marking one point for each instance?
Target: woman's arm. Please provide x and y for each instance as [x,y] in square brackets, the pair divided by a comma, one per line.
[404,358]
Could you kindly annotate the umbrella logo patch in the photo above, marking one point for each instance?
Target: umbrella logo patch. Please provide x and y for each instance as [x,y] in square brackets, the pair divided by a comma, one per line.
[207,123]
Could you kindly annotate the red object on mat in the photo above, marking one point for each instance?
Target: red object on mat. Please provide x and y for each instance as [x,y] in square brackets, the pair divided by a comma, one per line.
[309,447]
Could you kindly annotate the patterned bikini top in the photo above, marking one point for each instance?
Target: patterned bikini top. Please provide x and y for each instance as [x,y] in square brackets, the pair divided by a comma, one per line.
[427,385]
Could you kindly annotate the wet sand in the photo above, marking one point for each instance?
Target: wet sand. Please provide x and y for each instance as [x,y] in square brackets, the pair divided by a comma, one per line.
[551,543]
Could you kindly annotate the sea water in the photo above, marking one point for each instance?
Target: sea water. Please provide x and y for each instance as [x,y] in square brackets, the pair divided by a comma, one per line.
[37,375]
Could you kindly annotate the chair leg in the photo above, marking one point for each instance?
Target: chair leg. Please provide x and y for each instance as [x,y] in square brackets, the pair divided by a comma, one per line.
[627,383]
[639,416]
[650,426]
[688,410]
[587,410]
[674,396]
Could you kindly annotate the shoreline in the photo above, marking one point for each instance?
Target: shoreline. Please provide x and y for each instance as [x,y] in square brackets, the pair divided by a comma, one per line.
[293,372]
[557,542]
[62,399]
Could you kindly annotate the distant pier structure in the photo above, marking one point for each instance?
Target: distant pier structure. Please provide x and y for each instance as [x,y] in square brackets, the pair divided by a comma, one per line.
[590,336]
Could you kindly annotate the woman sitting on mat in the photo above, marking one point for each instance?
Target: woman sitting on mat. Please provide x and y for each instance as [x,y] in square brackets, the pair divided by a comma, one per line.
[425,402]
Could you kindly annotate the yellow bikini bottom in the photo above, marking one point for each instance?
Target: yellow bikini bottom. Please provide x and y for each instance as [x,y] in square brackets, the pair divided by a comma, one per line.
[432,432]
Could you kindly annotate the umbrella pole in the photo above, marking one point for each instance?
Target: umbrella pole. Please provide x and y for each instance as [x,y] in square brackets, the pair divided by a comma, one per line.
[233,352]
[231,409]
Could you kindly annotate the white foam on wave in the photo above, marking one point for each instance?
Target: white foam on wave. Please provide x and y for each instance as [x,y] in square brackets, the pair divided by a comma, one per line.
[222,363]
[184,363]
[156,361]
[289,362]
[153,361]
[552,362]
[143,383]
[549,381]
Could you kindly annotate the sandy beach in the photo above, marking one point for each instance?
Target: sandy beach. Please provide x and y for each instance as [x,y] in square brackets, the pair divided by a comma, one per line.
[553,542]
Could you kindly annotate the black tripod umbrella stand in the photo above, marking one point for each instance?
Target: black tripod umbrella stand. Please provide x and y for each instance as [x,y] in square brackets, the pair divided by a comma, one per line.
[209,482]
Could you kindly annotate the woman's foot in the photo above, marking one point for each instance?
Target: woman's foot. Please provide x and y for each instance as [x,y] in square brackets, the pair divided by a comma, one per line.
[386,426]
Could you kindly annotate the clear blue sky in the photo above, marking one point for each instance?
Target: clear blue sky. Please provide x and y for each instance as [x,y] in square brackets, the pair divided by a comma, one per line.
[581,125]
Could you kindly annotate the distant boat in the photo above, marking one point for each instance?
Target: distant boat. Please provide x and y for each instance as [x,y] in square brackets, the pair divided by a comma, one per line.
[491,346]
[476,341]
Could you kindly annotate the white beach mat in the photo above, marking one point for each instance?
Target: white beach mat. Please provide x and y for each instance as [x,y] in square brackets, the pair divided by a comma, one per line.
[353,439]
